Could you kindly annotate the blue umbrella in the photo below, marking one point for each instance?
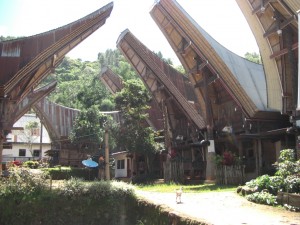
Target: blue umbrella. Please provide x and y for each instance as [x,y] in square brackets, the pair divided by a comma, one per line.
[89,163]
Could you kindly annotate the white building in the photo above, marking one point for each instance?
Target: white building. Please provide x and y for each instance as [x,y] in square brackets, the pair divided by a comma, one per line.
[26,144]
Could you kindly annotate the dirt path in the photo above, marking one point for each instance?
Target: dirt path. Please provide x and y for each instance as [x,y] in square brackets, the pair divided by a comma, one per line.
[223,208]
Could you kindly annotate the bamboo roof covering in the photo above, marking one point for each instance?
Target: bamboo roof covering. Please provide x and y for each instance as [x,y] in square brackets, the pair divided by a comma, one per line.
[29,59]
[111,80]
[154,72]
[57,119]
[32,98]
[275,27]
[244,80]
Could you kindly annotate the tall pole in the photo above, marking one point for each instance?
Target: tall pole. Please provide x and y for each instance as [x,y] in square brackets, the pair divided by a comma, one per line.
[298,101]
[1,152]
[107,172]
[41,141]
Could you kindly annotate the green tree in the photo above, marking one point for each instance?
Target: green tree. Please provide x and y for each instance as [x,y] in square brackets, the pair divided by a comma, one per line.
[30,134]
[166,60]
[89,127]
[180,69]
[253,57]
[7,38]
[134,134]
[117,63]
[107,105]
[78,84]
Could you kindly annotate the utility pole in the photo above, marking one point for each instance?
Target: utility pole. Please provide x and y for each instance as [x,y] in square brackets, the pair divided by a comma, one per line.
[41,141]
[107,172]
[1,151]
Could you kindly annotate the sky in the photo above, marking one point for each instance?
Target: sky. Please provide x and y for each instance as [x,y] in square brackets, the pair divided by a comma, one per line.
[222,19]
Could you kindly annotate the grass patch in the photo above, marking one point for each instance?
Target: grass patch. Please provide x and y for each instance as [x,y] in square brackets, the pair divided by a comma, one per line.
[187,188]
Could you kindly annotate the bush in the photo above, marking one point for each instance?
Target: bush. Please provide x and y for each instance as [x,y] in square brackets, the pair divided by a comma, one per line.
[110,189]
[276,184]
[259,183]
[287,164]
[72,188]
[75,203]
[262,198]
[21,180]
[287,179]
[292,184]
[31,164]
[65,173]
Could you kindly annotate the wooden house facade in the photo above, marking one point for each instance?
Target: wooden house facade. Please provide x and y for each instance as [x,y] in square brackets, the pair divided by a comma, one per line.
[233,93]
[183,123]
[26,61]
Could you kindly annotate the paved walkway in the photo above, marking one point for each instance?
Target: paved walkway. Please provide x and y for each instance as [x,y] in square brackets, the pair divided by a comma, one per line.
[223,208]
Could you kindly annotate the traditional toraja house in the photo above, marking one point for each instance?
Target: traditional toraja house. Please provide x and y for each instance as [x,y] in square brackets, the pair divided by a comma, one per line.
[275,27]
[183,123]
[130,161]
[237,100]
[58,120]
[25,105]
[276,30]
[24,62]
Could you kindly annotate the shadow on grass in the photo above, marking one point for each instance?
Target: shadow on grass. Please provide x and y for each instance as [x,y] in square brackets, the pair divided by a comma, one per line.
[209,187]
[187,188]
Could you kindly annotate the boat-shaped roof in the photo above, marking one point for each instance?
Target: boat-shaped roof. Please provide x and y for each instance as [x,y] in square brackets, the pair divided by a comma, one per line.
[156,74]
[244,80]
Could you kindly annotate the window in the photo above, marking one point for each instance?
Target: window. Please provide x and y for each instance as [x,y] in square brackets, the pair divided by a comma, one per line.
[22,152]
[121,164]
[36,153]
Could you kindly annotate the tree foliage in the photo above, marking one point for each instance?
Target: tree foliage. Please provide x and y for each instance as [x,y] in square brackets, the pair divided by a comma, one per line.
[89,127]
[78,85]
[30,135]
[134,135]
[117,63]
[7,38]
[253,57]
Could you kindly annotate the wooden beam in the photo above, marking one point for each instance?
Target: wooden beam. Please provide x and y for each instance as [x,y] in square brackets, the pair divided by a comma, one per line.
[184,46]
[261,7]
[283,51]
[211,79]
[198,68]
[274,27]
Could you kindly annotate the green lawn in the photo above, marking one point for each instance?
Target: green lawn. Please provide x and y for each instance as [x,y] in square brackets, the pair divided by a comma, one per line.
[186,188]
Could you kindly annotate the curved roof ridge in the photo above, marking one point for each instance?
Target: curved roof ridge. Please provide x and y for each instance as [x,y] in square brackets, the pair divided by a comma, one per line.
[146,57]
[89,16]
[246,80]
